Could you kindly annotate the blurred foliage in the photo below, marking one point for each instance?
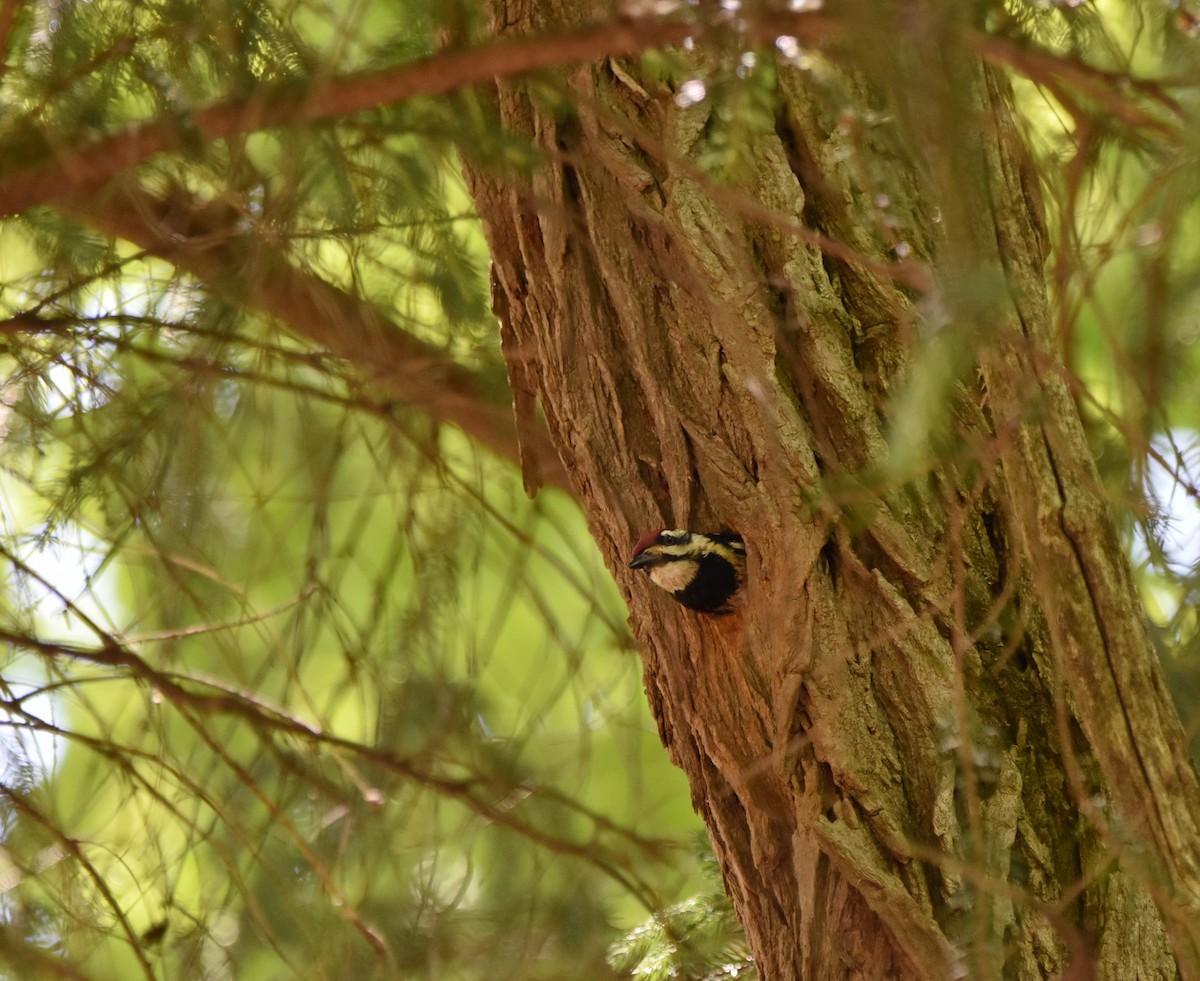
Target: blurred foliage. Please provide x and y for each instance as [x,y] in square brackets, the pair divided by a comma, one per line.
[380,702]
[296,681]
[697,938]
[1119,162]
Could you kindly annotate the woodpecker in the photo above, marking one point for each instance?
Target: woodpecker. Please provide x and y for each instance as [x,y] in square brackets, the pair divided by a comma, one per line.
[701,571]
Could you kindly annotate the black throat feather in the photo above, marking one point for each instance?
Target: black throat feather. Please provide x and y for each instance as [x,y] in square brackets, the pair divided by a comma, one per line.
[711,588]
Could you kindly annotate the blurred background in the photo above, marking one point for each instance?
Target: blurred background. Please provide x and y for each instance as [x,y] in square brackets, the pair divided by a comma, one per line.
[295,680]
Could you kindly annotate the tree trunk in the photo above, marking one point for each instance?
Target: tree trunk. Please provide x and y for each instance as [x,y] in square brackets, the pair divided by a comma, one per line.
[934,740]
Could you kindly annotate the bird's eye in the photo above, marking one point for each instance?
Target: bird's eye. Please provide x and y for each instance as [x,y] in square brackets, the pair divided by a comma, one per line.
[674,537]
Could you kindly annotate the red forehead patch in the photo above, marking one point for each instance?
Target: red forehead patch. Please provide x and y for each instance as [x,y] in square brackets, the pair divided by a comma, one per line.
[646,541]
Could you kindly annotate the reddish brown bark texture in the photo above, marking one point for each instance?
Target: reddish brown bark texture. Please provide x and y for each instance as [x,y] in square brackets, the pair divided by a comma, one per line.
[906,745]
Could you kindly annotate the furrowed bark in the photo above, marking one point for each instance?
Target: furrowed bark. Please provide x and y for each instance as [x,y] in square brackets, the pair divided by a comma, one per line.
[935,741]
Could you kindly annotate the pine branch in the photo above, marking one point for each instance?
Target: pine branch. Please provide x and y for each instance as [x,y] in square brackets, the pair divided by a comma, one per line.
[77,172]
[208,241]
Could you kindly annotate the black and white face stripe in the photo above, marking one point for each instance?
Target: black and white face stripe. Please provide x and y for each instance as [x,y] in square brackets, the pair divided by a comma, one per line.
[701,571]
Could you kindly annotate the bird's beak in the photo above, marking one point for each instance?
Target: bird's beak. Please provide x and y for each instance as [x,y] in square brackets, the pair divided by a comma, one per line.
[642,559]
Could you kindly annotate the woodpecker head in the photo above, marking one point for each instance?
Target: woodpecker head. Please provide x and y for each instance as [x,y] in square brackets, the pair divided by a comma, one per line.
[701,571]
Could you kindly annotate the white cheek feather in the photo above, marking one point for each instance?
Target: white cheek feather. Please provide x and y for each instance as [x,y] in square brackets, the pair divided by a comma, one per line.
[674,576]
